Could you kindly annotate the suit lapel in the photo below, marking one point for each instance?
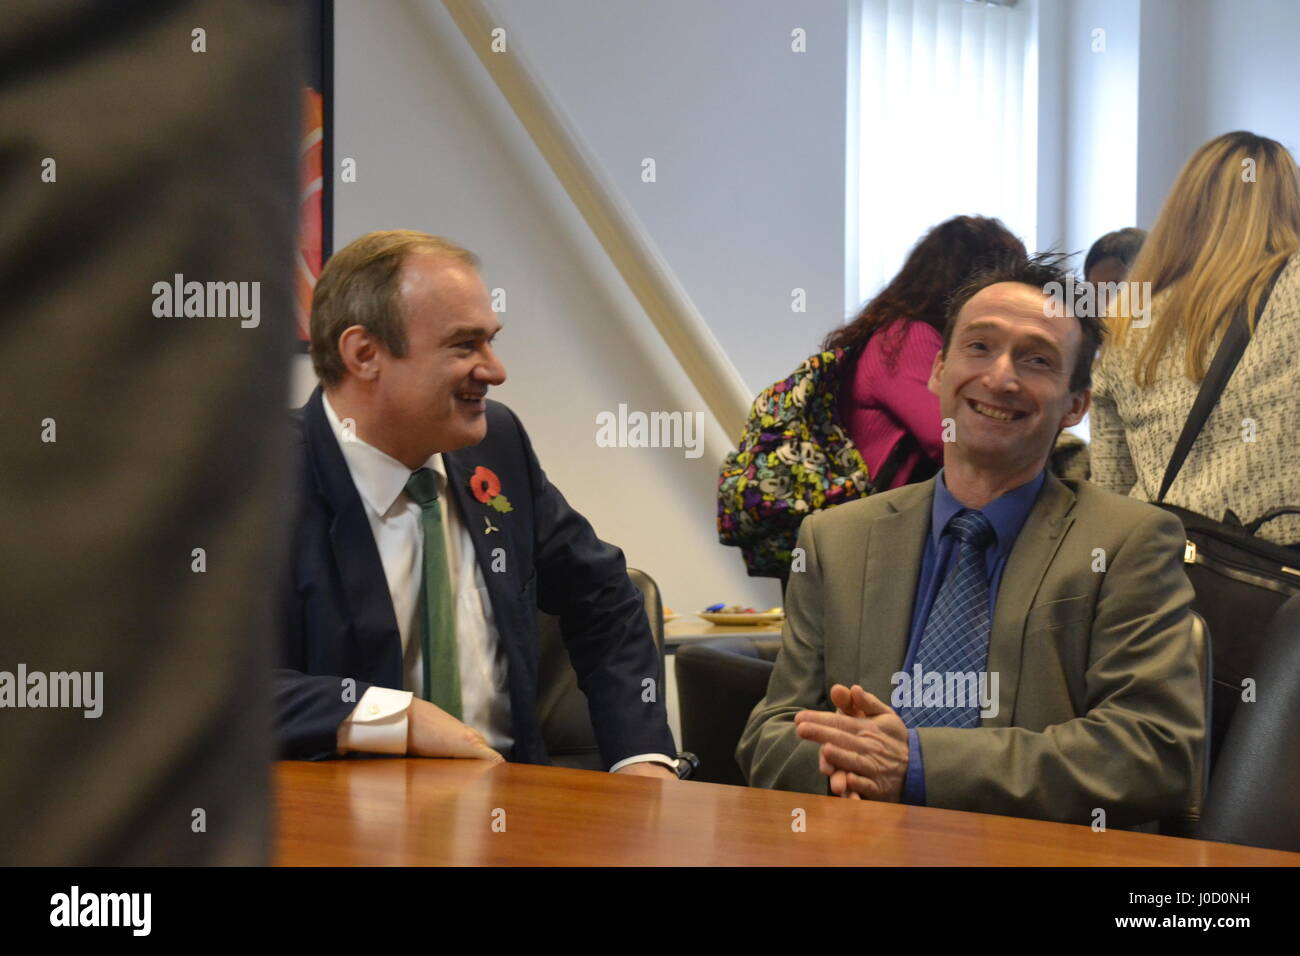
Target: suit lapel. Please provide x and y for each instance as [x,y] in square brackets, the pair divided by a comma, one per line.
[503,587]
[1034,550]
[894,547]
[361,571]
[515,621]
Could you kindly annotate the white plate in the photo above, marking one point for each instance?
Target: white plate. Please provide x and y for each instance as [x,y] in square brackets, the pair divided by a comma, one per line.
[742,620]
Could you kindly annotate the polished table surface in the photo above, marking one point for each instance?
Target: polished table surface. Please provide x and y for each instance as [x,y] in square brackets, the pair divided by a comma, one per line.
[393,811]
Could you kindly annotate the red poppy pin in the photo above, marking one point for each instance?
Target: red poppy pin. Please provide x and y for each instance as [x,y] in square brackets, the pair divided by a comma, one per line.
[486,487]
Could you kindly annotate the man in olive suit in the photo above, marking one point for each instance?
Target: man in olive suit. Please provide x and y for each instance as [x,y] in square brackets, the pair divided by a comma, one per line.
[994,639]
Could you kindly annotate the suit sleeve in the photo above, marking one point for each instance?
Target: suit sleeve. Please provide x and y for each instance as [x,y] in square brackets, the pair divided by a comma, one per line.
[770,753]
[1132,753]
[308,707]
[583,581]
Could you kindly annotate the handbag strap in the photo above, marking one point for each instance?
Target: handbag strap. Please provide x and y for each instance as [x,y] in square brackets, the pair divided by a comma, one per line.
[1268,516]
[889,467]
[1235,339]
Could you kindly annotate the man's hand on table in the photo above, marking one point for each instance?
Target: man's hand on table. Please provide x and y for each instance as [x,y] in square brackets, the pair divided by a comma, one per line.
[863,745]
[648,769]
[432,732]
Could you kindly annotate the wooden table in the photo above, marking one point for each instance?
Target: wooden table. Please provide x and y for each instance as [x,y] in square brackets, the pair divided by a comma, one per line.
[442,812]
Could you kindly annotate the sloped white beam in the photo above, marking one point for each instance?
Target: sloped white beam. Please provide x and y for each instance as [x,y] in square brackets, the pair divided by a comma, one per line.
[611,219]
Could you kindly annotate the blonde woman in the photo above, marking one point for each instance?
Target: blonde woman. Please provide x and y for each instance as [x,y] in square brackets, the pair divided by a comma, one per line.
[1230,222]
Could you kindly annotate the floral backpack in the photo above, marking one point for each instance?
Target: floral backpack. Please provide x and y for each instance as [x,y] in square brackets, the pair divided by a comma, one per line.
[793,459]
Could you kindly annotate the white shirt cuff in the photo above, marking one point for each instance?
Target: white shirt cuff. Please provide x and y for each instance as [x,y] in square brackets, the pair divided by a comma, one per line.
[667,761]
[377,724]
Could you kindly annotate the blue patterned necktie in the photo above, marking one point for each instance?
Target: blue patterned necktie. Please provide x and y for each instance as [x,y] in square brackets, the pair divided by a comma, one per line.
[956,635]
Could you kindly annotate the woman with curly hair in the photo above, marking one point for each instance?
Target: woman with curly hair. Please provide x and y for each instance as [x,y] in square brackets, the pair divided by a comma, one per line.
[885,401]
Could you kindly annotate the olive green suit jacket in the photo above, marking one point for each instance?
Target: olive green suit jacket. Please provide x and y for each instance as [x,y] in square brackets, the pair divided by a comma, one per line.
[1100,699]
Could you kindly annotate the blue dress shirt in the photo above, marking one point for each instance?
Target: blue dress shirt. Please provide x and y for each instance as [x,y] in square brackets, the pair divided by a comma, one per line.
[1007,514]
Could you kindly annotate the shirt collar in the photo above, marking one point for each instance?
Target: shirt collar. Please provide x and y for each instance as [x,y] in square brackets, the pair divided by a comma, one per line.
[380,479]
[1006,513]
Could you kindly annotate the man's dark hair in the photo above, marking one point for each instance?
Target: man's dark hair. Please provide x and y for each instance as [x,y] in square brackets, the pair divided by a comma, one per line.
[1047,274]
[1122,244]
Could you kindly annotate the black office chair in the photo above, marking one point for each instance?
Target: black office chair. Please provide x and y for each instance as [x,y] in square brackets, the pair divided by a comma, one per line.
[562,711]
[1186,823]
[1254,795]
[718,683]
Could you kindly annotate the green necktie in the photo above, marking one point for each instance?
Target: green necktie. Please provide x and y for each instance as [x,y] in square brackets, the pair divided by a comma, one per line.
[438,614]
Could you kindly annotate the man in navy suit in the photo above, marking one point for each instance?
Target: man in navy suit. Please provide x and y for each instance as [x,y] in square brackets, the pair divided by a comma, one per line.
[427,537]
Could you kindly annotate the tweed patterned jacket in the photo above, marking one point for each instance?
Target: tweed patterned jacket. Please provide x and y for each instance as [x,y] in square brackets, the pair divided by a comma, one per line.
[1247,457]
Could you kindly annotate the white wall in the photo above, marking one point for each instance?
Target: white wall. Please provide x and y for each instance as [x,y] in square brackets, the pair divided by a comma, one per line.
[1250,78]
[1175,74]
[748,139]
[1049,26]
[1172,60]
[1210,67]
[1101,120]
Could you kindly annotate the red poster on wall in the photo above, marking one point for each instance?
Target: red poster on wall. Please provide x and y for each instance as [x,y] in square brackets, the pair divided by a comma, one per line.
[310,202]
[315,220]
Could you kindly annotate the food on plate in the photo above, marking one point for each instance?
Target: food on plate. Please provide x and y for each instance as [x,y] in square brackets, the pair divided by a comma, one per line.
[738,609]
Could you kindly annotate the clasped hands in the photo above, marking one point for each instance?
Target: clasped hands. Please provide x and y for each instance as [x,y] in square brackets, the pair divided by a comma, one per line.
[863,745]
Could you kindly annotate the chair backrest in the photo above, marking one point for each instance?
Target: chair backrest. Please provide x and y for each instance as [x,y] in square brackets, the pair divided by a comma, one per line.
[654,606]
[562,712]
[1185,824]
[718,683]
[1253,790]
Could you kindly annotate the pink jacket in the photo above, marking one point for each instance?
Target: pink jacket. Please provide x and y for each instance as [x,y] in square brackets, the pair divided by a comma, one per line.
[881,404]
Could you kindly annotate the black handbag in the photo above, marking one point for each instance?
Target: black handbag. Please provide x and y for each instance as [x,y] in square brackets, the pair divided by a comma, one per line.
[1239,578]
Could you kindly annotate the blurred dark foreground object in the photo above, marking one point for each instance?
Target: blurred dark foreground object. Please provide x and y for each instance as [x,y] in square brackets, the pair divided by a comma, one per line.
[1252,798]
[130,440]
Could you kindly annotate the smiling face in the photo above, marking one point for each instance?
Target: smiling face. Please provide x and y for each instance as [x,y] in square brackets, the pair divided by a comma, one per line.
[1005,381]
[433,399]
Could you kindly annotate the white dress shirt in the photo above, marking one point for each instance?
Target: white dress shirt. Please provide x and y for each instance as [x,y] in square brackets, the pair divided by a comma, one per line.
[378,724]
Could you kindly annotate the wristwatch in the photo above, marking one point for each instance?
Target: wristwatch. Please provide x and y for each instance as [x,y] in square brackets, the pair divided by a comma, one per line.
[686,764]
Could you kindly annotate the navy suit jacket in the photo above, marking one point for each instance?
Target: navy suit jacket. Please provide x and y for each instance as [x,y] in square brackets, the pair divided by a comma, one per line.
[337,617]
